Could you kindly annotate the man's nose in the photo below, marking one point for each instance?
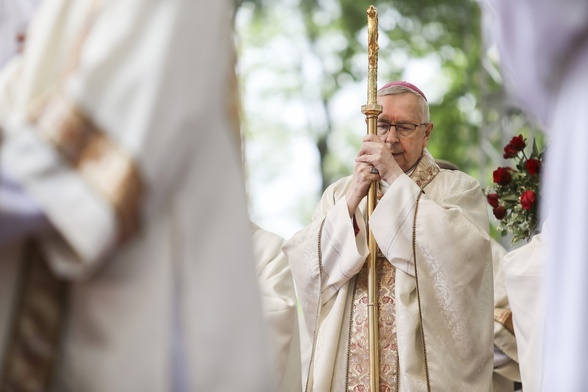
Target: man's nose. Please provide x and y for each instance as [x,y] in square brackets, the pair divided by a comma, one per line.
[392,136]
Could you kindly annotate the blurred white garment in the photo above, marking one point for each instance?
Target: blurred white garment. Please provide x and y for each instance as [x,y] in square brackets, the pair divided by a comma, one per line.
[279,307]
[544,52]
[19,214]
[506,366]
[536,40]
[523,276]
[14,19]
[116,120]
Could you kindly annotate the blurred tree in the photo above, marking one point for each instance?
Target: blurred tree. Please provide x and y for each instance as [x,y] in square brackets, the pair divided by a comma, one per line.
[447,34]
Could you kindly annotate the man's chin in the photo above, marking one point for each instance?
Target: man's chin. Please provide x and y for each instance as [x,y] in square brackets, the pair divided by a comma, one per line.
[399,160]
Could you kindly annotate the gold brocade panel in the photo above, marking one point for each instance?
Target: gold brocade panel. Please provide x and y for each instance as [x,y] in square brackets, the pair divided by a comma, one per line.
[358,356]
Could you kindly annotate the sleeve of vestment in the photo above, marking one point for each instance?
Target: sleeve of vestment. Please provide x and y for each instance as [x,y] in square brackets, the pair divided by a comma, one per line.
[113,98]
[279,307]
[327,253]
[454,270]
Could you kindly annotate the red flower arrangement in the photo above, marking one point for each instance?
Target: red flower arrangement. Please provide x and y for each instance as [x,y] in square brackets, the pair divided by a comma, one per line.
[514,195]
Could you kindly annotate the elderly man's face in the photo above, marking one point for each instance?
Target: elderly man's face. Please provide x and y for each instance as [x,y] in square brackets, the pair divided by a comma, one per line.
[404,108]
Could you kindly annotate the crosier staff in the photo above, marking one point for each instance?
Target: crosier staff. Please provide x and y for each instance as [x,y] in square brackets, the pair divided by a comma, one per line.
[371,111]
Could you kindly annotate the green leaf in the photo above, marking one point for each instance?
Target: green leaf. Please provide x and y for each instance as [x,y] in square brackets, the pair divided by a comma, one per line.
[535,149]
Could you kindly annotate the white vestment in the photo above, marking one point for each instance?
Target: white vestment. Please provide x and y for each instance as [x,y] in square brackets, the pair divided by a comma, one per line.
[14,18]
[523,277]
[506,372]
[544,54]
[454,270]
[279,307]
[117,122]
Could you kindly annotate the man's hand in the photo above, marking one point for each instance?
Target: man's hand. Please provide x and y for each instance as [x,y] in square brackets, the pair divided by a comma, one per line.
[373,154]
[376,153]
[360,184]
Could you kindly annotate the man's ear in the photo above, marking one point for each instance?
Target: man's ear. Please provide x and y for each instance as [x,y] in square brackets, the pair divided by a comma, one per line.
[429,129]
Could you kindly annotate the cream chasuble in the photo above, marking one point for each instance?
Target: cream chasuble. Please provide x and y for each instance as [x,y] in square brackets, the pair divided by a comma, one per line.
[455,282]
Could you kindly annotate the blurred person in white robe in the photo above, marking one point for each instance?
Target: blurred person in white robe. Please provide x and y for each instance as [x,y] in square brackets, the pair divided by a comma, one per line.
[127,262]
[543,47]
[279,307]
[523,276]
[506,358]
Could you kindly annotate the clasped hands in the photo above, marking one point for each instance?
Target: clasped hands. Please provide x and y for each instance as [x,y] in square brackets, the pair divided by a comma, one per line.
[374,153]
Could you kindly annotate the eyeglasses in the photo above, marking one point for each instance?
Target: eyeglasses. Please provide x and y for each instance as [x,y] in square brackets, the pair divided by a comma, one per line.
[403,129]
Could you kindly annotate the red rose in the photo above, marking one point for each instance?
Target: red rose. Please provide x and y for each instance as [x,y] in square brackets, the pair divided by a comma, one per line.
[502,176]
[533,166]
[493,199]
[499,212]
[517,143]
[528,200]
[510,152]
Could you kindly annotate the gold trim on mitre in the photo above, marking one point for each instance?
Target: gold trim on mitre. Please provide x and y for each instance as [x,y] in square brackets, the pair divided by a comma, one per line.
[108,169]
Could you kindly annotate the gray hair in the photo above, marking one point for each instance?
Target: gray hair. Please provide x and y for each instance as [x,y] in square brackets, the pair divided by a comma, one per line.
[399,89]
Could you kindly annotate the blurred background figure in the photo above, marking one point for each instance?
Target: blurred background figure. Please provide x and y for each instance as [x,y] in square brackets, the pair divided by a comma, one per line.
[523,276]
[128,263]
[279,307]
[544,54]
[507,375]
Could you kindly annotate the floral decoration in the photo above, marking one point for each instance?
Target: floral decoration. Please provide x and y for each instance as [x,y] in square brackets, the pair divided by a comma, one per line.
[514,194]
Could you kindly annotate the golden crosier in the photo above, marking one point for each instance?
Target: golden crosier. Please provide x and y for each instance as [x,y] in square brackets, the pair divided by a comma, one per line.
[371,111]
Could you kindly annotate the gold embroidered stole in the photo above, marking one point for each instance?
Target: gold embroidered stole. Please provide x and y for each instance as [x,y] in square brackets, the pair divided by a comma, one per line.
[358,356]
[358,348]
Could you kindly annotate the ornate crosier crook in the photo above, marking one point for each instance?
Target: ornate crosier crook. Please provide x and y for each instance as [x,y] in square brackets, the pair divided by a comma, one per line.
[371,111]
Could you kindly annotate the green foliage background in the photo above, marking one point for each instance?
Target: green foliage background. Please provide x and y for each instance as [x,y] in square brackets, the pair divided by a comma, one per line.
[468,118]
